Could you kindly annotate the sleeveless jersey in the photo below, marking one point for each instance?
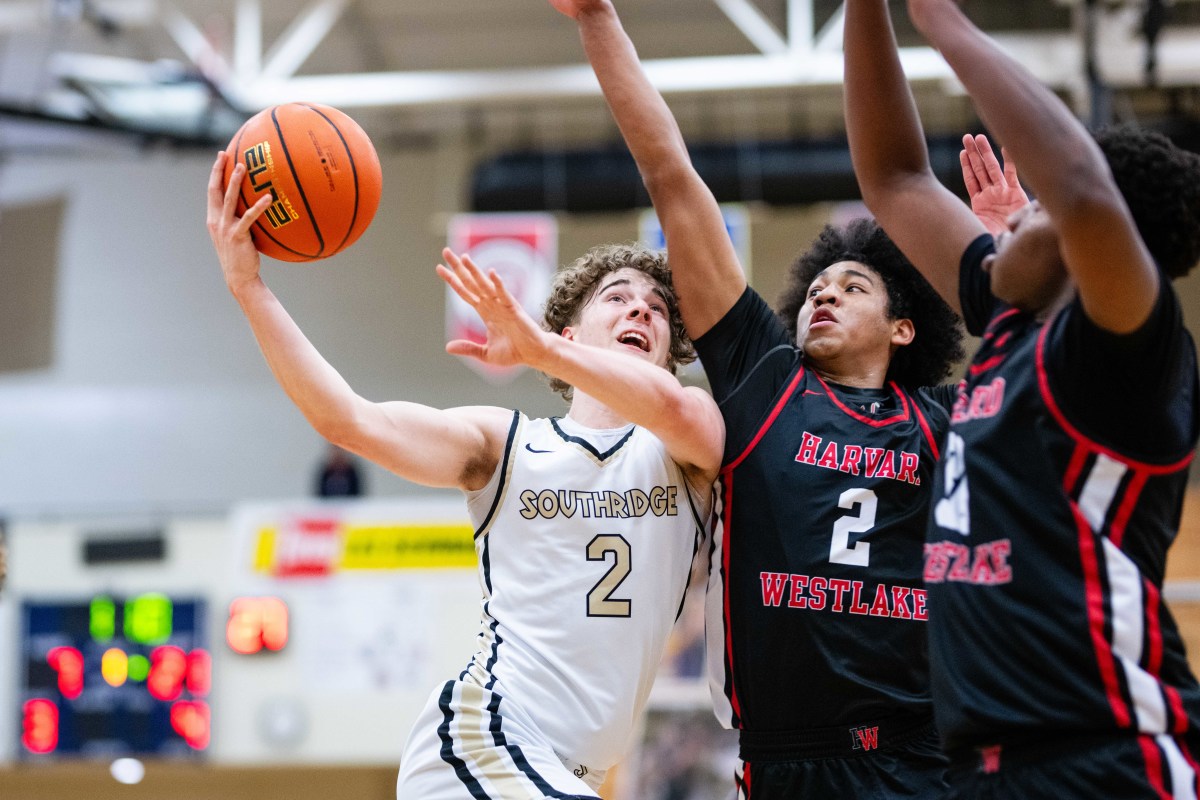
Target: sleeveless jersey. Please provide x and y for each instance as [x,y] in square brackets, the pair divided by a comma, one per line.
[584,555]
[816,614]
[1056,500]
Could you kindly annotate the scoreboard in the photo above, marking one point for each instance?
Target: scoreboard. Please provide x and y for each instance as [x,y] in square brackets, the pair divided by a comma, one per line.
[110,675]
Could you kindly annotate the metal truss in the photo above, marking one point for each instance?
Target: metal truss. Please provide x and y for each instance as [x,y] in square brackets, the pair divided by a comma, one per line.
[250,77]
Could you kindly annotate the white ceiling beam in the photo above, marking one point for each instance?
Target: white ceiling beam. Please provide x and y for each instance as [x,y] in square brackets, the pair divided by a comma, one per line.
[1054,58]
[297,43]
[754,26]
[196,46]
[830,37]
[247,39]
[718,73]
[800,25]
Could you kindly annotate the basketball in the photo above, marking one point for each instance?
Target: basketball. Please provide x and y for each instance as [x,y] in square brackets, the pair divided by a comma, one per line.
[322,171]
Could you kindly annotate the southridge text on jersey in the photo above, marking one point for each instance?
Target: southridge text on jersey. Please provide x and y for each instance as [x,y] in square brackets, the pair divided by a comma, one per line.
[549,503]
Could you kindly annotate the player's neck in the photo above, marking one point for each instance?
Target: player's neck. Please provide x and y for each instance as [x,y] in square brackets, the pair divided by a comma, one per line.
[856,376]
[591,413]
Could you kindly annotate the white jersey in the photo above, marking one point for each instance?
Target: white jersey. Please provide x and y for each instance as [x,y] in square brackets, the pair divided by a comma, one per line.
[585,541]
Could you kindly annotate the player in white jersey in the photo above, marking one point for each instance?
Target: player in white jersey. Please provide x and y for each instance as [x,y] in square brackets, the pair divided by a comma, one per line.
[586,526]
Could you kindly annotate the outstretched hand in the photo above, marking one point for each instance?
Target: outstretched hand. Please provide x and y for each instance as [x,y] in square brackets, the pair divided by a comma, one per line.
[512,335]
[231,234]
[995,193]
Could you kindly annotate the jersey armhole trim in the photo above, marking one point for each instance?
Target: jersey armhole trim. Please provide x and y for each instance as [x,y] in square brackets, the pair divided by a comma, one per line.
[505,468]
[1043,379]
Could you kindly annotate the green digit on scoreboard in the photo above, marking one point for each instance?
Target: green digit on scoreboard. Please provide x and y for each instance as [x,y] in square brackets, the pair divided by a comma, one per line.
[148,619]
[102,619]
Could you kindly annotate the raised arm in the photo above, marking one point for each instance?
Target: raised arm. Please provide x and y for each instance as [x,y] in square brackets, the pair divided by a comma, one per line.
[1114,273]
[707,275]
[453,448]
[685,418]
[930,224]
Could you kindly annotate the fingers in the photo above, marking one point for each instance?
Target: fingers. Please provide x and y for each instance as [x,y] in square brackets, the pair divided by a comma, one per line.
[990,163]
[453,281]
[215,176]
[973,187]
[975,157]
[462,347]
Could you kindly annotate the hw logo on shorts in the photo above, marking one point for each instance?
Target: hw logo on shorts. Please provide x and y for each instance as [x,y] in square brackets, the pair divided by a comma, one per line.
[864,738]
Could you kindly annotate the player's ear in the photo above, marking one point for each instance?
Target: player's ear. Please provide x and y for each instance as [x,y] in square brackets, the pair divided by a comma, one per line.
[903,332]
[568,333]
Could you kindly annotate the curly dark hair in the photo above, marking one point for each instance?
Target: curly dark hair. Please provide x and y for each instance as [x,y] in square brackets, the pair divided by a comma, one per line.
[938,341]
[574,286]
[1161,185]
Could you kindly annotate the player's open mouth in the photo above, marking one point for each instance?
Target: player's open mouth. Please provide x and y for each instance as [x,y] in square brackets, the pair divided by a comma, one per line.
[635,339]
[821,315]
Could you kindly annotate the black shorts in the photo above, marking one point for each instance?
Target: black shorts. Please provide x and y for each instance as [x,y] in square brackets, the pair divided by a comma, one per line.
[1111,766]
[904,763]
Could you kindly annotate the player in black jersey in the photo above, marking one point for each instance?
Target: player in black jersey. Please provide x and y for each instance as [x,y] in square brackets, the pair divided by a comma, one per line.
[816,634]
[1057,669]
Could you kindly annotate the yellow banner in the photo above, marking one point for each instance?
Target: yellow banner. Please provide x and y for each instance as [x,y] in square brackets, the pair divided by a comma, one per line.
[311,546]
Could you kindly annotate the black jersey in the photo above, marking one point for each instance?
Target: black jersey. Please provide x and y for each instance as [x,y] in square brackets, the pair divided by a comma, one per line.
[817,613]
[1057,497]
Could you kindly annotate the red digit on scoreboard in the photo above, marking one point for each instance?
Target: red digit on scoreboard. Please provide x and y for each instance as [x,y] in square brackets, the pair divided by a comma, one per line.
[168,670]
[257,623]
[39,725]
[68,663]
[199,672]
[192,721]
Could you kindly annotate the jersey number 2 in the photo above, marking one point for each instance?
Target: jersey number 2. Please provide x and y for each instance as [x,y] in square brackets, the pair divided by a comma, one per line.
[600,602]
[840,549]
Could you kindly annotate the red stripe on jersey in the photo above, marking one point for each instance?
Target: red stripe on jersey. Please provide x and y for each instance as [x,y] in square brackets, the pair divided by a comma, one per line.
[1048,397]
[1153,631]
[766,426]
[1154,766]
[1178,722]
[994,361]
[735,704]
[1117,533]
[1071,476]
[991,328]
[929,437]
[1095,612]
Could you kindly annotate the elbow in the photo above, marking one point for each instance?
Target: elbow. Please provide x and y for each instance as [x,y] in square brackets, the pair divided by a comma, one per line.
[884,192]
[667,175]
[345,429]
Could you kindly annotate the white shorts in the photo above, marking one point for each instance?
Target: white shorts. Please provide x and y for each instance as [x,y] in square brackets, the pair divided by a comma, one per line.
[469,743]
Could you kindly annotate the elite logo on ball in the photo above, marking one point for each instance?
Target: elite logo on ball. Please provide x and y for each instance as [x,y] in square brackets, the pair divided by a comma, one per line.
[260,166]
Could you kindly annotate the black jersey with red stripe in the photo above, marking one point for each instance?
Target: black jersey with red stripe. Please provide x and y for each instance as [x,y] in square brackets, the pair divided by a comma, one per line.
[1056,499]
[816,614]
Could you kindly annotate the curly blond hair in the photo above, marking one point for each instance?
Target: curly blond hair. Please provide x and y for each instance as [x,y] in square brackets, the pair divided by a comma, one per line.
[575,284]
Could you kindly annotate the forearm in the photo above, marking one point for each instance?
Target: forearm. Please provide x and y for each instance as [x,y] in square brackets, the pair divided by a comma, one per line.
[645,121]
[887,142]
[316,388]
[706,273]
[641,392]
[1059,159]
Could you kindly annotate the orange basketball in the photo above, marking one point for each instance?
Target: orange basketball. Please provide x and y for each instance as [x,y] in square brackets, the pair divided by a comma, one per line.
[322,171]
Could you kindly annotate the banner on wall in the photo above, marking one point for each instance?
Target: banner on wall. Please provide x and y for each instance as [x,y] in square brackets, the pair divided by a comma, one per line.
[315,539]
[523,250]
